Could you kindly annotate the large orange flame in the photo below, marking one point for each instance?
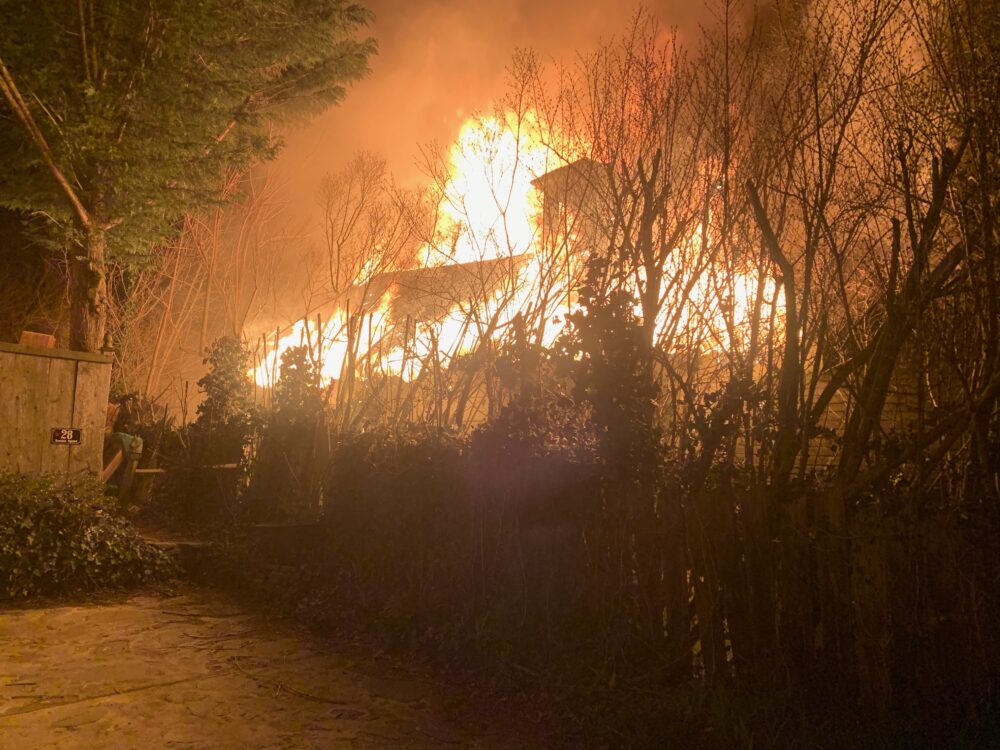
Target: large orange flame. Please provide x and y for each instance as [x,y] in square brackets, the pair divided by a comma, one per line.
[489,208]
[489,211]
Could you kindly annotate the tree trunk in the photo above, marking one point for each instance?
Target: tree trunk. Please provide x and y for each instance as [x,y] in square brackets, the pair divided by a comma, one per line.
[88,293]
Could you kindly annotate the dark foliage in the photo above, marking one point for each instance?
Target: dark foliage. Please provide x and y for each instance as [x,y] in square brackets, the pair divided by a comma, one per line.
[31,281]
[162,99]
[227,418]
[206,461]
[288,465]
[563,539]
[58,537]
[398,517]
[497,550]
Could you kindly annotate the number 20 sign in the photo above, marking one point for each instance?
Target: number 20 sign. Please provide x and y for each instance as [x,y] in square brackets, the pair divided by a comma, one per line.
[66,435]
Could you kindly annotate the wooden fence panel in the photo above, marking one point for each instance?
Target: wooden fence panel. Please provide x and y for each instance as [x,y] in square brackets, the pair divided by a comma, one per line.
[90,409]
[59,398]
[42,389]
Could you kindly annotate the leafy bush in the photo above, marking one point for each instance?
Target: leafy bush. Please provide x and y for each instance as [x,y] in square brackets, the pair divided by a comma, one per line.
[61,537]
[398,516]
[227,418]
[228,422]
[537,459]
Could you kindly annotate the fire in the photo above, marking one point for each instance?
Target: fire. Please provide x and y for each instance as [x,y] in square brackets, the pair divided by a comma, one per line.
[489,217]
[489,208]
[717,311]
[344,337]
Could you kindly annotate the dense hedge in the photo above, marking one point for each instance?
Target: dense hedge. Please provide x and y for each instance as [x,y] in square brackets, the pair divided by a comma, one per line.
[399,521]
[512,547]
[61,537]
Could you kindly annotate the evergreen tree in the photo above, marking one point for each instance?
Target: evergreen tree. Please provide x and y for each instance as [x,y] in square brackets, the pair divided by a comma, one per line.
[227,417]
[297,394]
[116,116]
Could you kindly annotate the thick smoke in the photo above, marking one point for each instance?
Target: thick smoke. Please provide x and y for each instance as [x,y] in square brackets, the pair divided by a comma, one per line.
[441,60]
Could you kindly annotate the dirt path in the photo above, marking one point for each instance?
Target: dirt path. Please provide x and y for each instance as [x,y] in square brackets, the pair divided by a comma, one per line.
[196,671]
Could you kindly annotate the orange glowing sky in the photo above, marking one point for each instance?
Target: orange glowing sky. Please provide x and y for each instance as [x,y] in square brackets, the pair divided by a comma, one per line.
[440,61]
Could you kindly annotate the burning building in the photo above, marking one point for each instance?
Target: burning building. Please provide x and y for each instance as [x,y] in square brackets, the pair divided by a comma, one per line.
[500,249]
[515,227]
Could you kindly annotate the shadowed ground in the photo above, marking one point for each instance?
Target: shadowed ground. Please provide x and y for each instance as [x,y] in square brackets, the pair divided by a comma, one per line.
[196,671]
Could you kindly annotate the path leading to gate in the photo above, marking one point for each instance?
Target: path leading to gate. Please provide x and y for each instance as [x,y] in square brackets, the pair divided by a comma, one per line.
[197,671]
